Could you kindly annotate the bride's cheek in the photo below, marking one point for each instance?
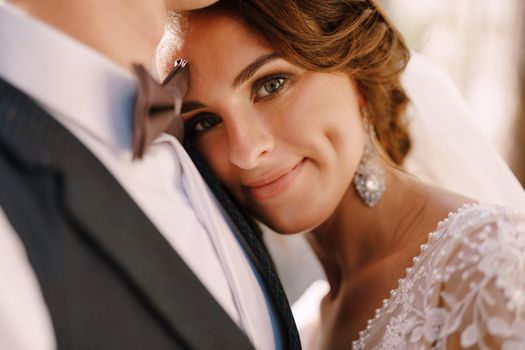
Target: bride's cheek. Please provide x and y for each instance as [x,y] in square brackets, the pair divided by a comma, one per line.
[215,152]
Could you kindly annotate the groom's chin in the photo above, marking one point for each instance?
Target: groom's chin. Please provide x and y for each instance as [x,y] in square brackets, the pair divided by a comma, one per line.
[187,4]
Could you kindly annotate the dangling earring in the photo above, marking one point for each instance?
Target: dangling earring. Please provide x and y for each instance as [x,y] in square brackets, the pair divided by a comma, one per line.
[369,178]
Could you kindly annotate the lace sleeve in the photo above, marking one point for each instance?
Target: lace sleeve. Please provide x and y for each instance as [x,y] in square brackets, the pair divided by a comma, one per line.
[482,299]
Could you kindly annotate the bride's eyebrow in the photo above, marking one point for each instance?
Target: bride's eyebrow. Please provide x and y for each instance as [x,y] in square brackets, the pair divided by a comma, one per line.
[244,75]
[253,67]
[191,106]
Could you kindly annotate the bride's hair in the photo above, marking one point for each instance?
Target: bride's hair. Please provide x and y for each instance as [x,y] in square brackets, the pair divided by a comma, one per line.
[352,36]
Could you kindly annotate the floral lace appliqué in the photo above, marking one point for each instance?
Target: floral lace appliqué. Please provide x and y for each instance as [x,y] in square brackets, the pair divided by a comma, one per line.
[466,288]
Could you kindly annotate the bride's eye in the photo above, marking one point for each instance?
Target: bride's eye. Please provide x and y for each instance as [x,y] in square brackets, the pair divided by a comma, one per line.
[267,87]
[202,123]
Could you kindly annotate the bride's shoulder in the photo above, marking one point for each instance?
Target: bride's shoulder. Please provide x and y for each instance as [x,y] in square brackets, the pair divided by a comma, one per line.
[478,231]
[482,260]
[480,241]
[471,218]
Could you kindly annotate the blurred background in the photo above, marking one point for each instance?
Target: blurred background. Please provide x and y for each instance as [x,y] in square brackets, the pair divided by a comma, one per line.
[481,44]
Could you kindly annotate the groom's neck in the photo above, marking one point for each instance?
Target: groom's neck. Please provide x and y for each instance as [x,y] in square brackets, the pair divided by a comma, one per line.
[126,31]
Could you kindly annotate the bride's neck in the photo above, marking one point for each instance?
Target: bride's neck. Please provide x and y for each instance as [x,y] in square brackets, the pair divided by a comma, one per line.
[356,236]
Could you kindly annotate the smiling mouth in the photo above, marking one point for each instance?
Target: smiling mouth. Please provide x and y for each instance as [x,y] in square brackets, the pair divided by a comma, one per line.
[274,186]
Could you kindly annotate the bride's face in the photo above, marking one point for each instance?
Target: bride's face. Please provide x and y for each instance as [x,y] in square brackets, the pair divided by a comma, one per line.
[285,141]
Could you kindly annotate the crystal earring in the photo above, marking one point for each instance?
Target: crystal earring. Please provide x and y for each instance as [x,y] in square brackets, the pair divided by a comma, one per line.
[369,178]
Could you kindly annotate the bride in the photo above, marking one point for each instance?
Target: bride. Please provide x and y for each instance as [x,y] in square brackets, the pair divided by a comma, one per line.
[299,110]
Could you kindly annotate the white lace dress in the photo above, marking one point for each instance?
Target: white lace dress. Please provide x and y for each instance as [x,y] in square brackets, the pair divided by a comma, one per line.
[465,290]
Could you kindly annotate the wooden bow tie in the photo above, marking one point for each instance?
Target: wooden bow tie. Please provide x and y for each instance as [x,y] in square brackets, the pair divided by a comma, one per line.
[157,106]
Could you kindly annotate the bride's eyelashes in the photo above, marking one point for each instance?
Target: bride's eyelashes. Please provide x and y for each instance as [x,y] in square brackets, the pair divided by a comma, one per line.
[270,86]
[263,89]
[201,123]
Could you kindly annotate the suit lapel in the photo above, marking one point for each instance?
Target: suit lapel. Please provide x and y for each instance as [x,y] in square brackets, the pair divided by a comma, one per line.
[114,223]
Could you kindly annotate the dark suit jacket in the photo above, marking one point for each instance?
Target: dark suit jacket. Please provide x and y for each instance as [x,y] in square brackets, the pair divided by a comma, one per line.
[108,277]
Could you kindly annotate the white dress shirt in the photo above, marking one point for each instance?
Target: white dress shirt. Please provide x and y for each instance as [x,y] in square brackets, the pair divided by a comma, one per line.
[93,98]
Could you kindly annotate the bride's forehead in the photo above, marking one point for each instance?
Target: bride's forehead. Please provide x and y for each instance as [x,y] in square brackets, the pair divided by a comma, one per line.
[217,32]
[220,44]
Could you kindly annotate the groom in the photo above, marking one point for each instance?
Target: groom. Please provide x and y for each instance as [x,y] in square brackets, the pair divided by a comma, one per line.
[97,250]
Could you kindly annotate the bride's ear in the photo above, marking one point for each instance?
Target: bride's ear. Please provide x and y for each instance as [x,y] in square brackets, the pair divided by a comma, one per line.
[361,100]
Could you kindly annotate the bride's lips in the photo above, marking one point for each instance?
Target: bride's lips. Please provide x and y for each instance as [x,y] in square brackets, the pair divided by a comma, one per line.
[274,184]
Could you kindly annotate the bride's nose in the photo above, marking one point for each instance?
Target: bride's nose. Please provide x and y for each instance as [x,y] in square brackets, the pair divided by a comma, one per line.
[250,140]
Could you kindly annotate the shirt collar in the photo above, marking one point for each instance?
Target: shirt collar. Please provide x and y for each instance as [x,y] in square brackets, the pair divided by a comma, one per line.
[75,83]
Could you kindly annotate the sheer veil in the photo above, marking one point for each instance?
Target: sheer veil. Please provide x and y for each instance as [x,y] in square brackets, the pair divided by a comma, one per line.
[448,150]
